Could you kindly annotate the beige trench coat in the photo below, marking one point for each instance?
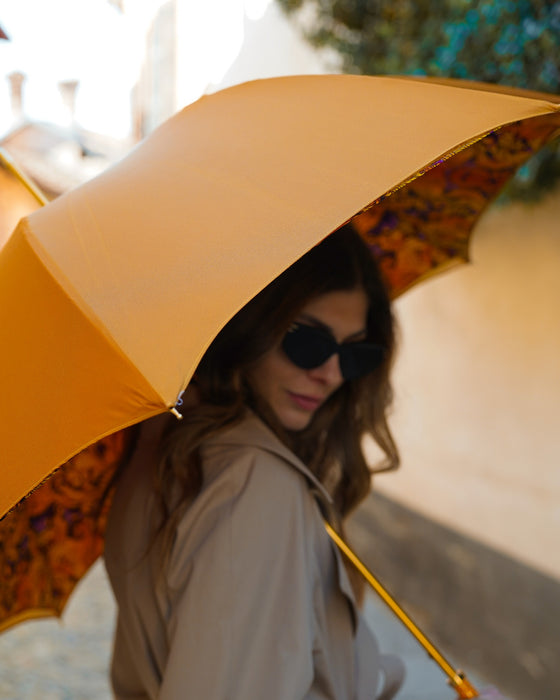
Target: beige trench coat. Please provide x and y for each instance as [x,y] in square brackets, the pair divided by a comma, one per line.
[255,602]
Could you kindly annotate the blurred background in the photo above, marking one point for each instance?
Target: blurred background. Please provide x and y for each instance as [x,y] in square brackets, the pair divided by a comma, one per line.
[466,533]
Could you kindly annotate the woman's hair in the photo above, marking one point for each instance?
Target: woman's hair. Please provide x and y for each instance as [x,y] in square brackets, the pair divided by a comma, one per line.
[331,445]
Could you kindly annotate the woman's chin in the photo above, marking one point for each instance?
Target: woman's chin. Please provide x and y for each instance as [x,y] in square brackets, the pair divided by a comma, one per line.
[294,421]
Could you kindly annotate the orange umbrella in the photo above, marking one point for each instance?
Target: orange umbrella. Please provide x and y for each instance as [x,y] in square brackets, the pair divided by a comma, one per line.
[20,195]
[110,295]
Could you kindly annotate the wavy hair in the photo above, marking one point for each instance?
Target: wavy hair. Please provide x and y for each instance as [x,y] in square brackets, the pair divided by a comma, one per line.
[332,444]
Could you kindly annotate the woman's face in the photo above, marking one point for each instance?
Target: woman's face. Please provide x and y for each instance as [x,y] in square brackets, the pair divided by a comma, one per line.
[295,394]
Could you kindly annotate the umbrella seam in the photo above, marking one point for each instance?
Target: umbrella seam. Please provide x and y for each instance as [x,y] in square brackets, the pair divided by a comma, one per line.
[62,282]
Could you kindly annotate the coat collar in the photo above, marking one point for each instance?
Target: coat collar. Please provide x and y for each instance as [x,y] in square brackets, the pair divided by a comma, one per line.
[253,432]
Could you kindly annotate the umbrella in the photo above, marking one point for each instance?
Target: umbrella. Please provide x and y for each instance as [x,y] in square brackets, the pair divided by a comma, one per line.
[110,295]
[20,196]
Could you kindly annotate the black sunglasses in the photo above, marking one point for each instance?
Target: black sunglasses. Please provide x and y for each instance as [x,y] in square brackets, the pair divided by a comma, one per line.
[309,347]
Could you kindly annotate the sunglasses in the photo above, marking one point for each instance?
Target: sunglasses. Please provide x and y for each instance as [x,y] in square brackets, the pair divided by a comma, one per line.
[309,347]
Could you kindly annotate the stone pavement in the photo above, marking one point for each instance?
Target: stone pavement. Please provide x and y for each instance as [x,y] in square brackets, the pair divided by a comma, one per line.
[68,660]
[48,659]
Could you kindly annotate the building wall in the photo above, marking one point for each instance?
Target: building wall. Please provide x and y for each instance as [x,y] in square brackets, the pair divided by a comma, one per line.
[478,389]
[193,48]
[155,95]
[272,47]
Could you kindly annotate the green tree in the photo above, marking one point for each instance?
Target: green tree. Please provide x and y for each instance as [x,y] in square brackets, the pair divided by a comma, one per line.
[515,43]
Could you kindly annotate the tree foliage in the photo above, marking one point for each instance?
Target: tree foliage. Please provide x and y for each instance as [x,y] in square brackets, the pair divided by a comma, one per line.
[515,43]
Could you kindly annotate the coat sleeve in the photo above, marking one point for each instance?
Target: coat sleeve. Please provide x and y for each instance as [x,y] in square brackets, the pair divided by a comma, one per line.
[124,672]
[241,578]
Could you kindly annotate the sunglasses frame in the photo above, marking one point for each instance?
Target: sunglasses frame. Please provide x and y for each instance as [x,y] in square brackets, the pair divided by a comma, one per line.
[309,347]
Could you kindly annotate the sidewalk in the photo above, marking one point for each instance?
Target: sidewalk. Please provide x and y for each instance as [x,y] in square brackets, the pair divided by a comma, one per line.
[68,660]
[48,659]
[424,679]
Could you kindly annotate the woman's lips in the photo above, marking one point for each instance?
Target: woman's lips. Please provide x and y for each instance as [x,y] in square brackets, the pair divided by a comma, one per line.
[307,403]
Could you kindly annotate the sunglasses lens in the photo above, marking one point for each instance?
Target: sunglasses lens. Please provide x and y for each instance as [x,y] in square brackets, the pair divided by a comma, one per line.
[359,359]
[308,347]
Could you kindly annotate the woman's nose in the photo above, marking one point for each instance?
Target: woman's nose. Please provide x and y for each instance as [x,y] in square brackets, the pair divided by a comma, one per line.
[329,372]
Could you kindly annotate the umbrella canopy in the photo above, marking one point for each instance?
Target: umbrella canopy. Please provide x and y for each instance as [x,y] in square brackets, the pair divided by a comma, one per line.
[20,196]
[110,295]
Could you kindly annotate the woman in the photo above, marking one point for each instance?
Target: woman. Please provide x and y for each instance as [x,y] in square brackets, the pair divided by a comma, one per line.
[226,581]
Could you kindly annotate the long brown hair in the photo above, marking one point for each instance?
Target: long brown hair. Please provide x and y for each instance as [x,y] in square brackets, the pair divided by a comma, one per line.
[332,443]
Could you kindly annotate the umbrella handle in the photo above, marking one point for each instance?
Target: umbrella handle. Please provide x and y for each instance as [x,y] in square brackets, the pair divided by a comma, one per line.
[9,163]
[457,680]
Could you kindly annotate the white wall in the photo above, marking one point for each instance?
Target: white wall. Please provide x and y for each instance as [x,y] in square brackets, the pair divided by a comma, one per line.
[477,413]
[271,47]
[224,42]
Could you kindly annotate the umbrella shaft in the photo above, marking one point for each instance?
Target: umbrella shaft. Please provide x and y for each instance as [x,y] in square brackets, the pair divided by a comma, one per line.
[456,679]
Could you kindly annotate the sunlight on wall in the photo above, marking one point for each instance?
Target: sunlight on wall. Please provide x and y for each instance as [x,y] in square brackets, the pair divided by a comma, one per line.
[478,389]
[49,43]
[211,36]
